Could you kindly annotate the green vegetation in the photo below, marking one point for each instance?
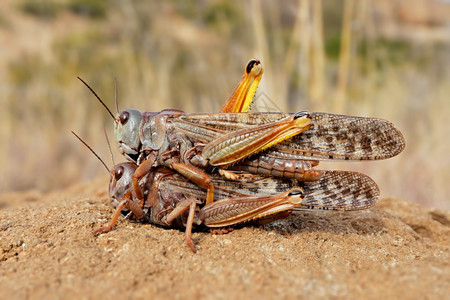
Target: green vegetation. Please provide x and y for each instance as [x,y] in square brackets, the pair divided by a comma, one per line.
[45,9]
[95,9]
[49,9]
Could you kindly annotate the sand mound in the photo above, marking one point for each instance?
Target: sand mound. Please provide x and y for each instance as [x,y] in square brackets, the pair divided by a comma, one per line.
[395,250]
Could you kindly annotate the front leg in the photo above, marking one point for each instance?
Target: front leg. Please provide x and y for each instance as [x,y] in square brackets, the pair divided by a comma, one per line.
[125,202]
[143,169]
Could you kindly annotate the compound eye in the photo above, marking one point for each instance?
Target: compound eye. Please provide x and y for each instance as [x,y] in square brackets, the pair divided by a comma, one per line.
[251,64]
[123,118]
[118,173]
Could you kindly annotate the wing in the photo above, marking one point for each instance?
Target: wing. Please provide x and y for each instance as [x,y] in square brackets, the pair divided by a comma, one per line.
[330,136]
[340,190]
[335,190]
[340,137]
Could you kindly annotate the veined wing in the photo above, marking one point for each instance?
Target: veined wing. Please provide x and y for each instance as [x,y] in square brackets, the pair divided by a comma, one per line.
[340,137]
[330,136]
[206,127]
[335,190]
[340,190]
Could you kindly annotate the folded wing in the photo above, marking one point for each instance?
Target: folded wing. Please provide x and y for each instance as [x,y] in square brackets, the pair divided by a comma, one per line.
[335,190]
[330,136]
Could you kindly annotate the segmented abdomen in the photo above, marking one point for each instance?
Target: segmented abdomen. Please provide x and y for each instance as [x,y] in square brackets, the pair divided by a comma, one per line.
[279,167]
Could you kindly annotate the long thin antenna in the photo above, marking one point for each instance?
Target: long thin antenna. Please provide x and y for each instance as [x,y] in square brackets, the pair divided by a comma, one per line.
[116,95]
[92,152]
[109,146]
[95,94]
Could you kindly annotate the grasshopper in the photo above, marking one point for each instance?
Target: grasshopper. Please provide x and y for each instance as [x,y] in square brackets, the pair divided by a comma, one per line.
[171,200]
[259,143]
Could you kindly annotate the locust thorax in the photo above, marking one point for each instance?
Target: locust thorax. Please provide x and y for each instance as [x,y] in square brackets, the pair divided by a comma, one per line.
[137,132]
[126,132]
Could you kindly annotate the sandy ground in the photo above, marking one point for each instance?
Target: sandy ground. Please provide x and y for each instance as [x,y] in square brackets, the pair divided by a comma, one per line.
[396,250]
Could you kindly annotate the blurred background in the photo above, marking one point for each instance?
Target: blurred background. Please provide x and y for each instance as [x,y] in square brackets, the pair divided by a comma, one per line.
[378,58]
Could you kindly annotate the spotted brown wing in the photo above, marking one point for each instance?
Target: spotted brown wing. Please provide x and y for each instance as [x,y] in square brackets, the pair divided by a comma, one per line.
[330,136]
[335,190]
[340,190]
[340,137]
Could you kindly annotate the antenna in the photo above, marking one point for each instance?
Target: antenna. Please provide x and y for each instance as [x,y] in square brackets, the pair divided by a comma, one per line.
[109,146]
[92,152]
[95,94]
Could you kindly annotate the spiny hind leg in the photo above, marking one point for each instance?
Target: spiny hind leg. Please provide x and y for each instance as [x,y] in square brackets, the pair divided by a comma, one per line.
[230,211]
[242,96]
[237,145]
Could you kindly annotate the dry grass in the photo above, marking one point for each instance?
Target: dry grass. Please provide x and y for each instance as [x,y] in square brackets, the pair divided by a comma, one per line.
[188,56]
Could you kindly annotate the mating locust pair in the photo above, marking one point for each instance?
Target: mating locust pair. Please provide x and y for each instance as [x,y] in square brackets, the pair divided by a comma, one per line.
[226,168]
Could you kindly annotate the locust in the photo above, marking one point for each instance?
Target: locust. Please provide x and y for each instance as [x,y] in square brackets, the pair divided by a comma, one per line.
[171,200]
[286,145]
